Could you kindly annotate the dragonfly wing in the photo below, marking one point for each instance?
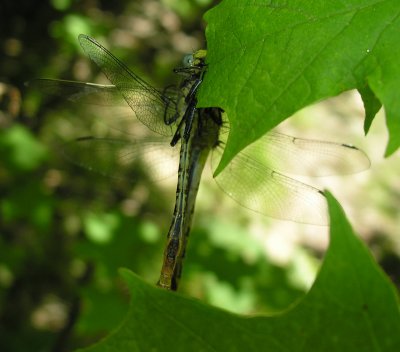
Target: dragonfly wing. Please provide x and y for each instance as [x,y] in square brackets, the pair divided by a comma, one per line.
[149,105]
[306,157]
[266,191]
[80,92]
[118,158]
[104,102]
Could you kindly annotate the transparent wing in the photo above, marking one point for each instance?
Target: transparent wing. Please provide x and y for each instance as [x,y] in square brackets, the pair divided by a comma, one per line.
[266,191]
[149,105]
[254,180]
[104,102]
[80,92]
[306,157]
[119,158]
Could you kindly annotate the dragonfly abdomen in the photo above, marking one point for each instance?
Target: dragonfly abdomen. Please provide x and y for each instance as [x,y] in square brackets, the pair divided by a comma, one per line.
[193,155]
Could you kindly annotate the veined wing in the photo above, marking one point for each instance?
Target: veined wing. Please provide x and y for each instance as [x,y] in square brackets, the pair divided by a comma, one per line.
[118,115]
[305,156]
[266,191]
[80,92]
[254,180]
[149,105]
[117,157]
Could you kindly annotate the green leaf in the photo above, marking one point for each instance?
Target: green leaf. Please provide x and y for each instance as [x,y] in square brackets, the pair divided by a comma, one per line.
[20,149]
[352,306]
[371,106]
[268,59]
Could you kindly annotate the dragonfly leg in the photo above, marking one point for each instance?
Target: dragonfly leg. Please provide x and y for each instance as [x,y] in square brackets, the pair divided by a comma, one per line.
[168,120]
[177,135]
[187,119]
[193,90]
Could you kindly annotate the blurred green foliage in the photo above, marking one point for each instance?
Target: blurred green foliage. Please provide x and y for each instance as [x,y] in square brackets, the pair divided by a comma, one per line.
[64,231]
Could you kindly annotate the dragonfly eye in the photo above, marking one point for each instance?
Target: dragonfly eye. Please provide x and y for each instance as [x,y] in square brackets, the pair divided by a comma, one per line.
[188,60]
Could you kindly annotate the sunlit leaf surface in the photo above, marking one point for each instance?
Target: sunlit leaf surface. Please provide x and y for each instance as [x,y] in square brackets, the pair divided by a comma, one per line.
[268,59]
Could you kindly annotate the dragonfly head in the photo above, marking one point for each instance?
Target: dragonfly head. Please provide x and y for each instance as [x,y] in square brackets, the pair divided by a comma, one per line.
[195,60]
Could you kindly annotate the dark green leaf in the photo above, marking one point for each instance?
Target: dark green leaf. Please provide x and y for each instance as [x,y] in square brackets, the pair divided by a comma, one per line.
[371,105]
[352,306]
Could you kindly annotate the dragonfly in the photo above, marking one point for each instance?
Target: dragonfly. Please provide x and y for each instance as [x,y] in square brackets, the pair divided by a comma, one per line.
[254,178]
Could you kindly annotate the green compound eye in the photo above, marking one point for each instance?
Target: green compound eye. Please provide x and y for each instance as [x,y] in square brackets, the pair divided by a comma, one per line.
[188,60]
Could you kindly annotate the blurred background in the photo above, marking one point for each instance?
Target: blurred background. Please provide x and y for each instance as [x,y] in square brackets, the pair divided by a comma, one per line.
[65,231]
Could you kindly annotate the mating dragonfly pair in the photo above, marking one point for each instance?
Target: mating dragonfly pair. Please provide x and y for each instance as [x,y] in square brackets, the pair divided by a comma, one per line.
[253,178]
